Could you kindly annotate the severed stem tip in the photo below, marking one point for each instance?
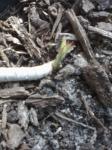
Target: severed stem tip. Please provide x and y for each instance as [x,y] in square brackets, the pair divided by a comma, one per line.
[65,48]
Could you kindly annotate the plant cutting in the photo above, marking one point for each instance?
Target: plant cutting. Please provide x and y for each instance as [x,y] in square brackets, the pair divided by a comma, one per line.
[37,72]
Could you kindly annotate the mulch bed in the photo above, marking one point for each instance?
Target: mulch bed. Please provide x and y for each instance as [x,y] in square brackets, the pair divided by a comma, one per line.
[72,107]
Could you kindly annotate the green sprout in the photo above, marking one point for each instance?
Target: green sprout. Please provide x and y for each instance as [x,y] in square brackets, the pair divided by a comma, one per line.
[65,48]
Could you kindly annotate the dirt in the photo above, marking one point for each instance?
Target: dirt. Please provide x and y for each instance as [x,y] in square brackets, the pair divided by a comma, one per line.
[61,111]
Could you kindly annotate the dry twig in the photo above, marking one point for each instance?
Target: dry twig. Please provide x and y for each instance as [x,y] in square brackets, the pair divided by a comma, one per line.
[62,116]
[59,16]
[99,31]
[80,34]
[90,112]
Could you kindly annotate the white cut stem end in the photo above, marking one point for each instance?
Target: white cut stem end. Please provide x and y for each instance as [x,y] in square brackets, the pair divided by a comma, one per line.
[25,73]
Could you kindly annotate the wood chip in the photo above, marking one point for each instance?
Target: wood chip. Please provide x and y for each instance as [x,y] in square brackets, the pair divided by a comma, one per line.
[23,115]
[15,135]
[15,92]
[44,101]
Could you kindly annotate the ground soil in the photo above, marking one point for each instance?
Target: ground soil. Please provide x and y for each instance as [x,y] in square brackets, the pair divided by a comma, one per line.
[60,111]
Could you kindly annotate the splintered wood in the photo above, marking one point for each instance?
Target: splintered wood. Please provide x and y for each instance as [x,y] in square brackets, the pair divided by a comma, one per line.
[13,25]
[44,101]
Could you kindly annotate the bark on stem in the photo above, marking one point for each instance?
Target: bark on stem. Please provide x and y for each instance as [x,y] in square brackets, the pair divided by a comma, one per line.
[25,73]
